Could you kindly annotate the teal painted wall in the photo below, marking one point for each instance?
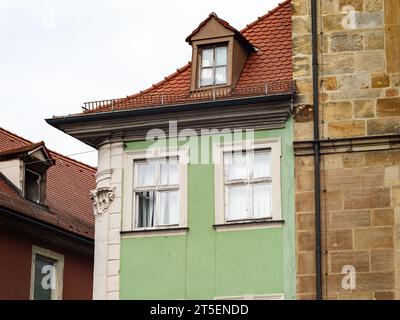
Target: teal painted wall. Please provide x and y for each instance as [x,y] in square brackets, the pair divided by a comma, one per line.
[204,264]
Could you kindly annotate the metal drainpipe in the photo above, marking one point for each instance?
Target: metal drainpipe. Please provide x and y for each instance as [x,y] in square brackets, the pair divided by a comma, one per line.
[316,143]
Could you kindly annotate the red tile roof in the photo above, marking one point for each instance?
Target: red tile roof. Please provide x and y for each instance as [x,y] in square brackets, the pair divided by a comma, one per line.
[67,193]
[271,34]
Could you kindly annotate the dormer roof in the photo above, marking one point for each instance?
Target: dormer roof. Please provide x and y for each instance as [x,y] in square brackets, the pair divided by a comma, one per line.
[219,28]
[35,150]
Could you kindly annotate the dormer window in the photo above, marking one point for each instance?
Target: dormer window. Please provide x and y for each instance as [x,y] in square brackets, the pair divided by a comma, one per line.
[213,66]
[219,53]
[33,186]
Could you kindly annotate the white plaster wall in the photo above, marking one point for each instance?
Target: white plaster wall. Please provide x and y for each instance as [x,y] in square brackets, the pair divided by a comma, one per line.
[108,226]
[12,170]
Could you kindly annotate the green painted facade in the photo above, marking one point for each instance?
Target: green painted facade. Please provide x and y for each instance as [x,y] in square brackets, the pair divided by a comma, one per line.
[204,263]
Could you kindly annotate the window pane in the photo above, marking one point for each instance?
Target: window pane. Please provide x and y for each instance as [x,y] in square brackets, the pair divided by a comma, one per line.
[146,205]
[32,186]
[207,77]
[169,208]
[221,56]
[146,174]
[237,203]
[235,165]
[207,58]
[261,164]
[220,75]
[42,292]
[169,173]
[261,201]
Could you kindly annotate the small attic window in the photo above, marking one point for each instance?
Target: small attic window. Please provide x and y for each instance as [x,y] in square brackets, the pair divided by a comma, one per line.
[213,65]
[32,187]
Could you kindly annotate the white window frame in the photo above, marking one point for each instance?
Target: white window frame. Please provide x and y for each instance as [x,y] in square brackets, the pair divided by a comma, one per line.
[273,296]
[274,145]
[129,220]
[213,66]
[56,294]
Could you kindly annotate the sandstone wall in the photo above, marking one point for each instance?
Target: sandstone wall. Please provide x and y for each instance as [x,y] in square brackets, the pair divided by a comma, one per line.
[359,97]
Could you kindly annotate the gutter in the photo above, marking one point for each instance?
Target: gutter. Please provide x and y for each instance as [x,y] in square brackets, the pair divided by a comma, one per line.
[118,114]
[317,151]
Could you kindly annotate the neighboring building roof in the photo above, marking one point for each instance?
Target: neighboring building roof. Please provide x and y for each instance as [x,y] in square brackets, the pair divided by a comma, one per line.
[67,190]
[271,34]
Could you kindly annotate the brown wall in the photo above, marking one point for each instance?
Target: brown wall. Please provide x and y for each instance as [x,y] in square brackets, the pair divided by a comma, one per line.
[359,70]
[15,268]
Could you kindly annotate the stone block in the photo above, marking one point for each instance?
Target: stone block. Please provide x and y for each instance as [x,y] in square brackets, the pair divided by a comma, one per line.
[356,295]
[350,219]
[301,24]
[351,160]
[301,66]
[340,239]
[388,107]
[333,200]
[329,6]
[356,4]
[354,81]
[335,64]
[392,48]
[304,201]
[370,61]
[333,22]
[383,217]
[358,259]
[366,198]
[374,39]
[384,295]
[392,176]
[342,110]
[382,260]
[346,41]
[395,80]
[383,126]
[380,80]
[330,83]
[364,108]
[302,44]
[373,5]
[373,238]
[375,281]
[305,221]
[391,92]
[340,129]
[300,8]
[305,241]
[306,263]
[305,284]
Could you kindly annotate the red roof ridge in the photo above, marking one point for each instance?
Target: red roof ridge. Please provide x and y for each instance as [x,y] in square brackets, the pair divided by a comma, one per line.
[26,148]
[30,144]
[269,13]
[158,84]
[15,136]
[74,161]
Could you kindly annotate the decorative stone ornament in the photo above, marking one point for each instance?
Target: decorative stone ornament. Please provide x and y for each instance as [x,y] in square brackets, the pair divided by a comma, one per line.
[102,197]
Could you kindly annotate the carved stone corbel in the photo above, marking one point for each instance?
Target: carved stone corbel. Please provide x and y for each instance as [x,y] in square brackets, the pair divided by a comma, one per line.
[102,197]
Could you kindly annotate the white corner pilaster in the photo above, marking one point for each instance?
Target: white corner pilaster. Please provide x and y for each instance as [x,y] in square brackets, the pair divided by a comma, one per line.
[107,206]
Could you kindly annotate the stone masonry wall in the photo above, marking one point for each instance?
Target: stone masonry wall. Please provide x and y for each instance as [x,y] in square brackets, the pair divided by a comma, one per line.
[359,44]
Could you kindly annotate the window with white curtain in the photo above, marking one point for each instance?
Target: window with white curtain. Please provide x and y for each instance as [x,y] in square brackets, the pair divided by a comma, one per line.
[247,181]
[156,192]
[213,65]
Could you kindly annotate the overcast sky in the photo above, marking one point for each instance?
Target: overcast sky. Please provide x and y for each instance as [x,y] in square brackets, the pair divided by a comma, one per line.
[55,55]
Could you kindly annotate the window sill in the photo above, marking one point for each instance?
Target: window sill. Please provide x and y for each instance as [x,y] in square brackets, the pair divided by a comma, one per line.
[151,232]
[249,224]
